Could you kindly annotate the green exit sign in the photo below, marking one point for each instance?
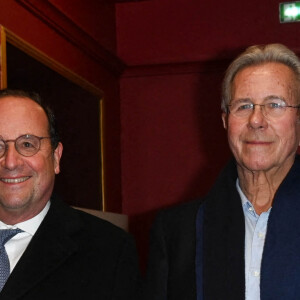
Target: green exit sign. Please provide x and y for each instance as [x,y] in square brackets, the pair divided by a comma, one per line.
[289,12]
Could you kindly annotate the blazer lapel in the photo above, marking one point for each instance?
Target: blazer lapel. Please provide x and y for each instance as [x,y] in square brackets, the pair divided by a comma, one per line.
[280,271]
[223,240]
[49,248]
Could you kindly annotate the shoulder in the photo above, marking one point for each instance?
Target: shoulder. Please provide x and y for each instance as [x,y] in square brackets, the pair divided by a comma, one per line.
[178,220]
[172,252]
[225,181]
[96,227]
[111,249]
[181,211]
[85,228]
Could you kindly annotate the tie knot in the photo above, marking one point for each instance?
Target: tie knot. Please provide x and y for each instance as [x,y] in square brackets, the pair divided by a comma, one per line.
[7,234]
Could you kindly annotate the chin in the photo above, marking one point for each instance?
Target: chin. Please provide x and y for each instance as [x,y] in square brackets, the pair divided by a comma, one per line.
[256,164]
[15,205]
[14,202]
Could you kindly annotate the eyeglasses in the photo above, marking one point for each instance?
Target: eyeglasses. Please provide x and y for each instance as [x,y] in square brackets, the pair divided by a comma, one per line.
[274,109]
[26,145]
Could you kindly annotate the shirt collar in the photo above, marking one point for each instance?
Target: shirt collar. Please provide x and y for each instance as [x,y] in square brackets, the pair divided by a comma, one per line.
[247,205]
[242,195]
[30,226]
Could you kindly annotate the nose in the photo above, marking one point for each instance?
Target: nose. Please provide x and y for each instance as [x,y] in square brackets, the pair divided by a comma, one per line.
[257,119]
[11,159]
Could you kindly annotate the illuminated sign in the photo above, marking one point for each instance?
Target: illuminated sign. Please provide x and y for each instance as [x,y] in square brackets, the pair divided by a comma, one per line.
[289,12]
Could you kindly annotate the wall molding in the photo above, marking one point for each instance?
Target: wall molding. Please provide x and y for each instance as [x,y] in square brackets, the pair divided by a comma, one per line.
[74,34]
[205,65]
[10,37]
[175,68]
[122,1]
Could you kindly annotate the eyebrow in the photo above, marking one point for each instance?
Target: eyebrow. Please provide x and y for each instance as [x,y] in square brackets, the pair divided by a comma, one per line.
[241,100]
[274,97]
[248,100]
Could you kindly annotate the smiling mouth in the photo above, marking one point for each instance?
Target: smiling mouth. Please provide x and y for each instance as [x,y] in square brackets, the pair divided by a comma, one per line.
[258,142]
[14,180]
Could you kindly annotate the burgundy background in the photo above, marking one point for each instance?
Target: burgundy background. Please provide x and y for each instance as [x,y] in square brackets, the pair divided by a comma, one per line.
[160,64]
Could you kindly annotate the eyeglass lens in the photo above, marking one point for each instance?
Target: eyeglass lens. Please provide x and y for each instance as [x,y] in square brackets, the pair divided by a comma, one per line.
[273,109]
[26,145]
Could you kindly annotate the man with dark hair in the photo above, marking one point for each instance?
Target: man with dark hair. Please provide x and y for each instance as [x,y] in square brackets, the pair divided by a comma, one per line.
[242,240]
[47,249]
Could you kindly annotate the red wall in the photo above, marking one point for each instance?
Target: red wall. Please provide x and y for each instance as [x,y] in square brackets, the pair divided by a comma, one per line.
[172,143]
[164,141]
[156,31]
[159,140]
[172,135]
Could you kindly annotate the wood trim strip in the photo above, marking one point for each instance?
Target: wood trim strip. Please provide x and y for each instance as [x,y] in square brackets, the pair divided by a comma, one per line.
[3,66]
[51,63]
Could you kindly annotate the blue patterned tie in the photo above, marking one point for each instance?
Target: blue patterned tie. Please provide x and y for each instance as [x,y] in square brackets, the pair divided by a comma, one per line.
[5,236]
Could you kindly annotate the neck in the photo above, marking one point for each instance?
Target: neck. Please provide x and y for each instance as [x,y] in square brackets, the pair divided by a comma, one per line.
[260,186]
[11,216]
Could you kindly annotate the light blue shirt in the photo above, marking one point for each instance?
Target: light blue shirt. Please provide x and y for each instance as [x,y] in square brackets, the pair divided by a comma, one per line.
[255,233]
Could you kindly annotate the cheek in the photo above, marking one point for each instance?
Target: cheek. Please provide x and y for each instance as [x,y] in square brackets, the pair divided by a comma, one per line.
[42,166]
[287,132]
[234,130]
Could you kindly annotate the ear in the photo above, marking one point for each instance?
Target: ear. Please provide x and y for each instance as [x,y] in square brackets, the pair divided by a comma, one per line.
[57,156]
[225,120]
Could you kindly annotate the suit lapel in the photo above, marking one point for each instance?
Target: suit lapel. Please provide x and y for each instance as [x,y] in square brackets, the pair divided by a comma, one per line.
[49,248]
[224,235]
[280,269]
[223,240]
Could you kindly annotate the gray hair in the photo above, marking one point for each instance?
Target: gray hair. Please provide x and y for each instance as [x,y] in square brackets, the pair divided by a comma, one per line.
[256,55]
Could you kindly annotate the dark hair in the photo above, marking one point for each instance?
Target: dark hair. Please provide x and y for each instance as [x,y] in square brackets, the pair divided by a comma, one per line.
[52,126]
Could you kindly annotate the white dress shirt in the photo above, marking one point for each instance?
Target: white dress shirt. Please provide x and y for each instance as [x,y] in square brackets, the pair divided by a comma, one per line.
[16,246]
[255,234]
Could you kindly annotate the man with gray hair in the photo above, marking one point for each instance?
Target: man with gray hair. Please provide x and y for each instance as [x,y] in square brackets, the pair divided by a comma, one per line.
[242,240]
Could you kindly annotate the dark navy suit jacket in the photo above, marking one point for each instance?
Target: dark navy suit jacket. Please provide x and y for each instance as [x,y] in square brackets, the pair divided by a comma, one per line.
[74,255]
[217,245]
